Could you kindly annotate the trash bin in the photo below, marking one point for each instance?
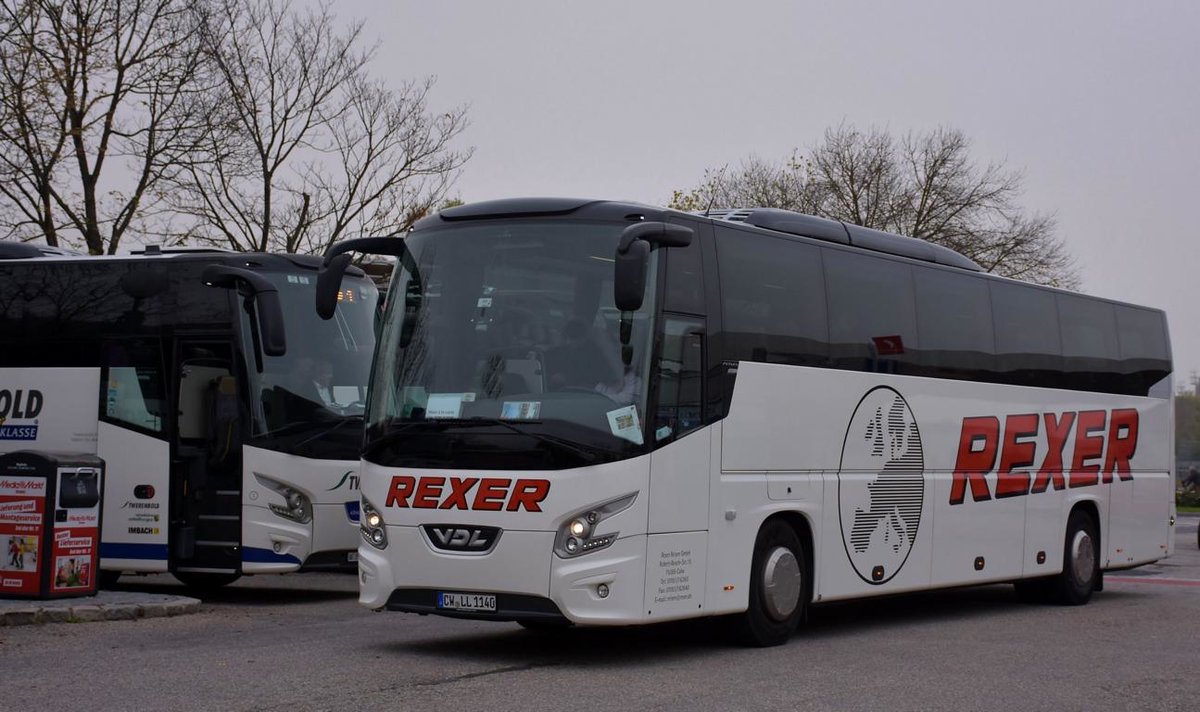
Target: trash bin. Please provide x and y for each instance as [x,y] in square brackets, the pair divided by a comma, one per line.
[49,524]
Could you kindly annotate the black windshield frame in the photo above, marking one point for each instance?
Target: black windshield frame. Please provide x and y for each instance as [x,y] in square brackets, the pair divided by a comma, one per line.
[543,423]
[310,401]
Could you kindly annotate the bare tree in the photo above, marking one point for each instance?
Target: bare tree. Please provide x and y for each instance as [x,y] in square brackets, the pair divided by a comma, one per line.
[96,106]
[303,146]
[924,185]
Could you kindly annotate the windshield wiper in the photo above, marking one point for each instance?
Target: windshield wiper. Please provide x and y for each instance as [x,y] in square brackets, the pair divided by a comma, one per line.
[588,453]
[342,420]
[327,425]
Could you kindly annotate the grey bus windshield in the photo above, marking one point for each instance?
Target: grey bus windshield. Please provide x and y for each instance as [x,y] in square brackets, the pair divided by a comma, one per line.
[504,336]
[310,401]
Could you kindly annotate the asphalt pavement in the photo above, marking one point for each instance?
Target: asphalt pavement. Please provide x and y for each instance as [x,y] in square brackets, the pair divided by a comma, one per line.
[134,604]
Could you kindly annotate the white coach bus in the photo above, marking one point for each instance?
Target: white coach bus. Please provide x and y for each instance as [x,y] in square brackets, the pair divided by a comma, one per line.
[604,413]
[229,416]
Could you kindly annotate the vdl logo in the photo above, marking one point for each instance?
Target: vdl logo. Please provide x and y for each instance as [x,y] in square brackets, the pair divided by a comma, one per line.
[881,485]
[19,405]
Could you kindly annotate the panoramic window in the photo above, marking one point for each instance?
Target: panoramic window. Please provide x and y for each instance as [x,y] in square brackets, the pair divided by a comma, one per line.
[773,296]
[954,321]
[872,319]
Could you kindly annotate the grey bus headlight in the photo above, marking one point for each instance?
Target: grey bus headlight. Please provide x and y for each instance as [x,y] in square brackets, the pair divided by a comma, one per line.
[371,526]
[296,507]
[580,533]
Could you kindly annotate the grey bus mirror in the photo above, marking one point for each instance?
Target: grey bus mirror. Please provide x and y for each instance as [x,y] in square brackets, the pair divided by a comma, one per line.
[265,297]
[337,259]
[329,283]
[633,256]
[629,276]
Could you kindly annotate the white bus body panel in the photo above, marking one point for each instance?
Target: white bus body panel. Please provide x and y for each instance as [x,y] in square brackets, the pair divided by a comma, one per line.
[523,560]
[135,526]
[273,544]
[796,420]
[49,409]
[866,461]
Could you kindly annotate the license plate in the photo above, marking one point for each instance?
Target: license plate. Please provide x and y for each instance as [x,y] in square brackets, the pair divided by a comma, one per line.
[351,557]
[466,601]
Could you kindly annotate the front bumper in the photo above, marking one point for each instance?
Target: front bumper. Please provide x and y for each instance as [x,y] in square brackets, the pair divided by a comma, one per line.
[530,582]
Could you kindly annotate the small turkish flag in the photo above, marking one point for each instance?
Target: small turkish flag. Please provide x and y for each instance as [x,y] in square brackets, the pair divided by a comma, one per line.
[888,345]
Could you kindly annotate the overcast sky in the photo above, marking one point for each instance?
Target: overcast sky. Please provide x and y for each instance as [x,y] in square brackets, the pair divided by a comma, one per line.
[1098,103]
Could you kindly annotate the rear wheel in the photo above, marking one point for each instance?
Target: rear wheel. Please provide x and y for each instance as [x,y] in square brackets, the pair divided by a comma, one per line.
[1081,562]
[778,587]
[205,581]
[108,579]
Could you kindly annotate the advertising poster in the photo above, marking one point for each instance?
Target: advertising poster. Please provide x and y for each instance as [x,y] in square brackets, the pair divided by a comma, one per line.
[76,546]
[22,506]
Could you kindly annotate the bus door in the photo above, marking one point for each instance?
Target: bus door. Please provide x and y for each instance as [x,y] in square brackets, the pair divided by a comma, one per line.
[206,463]
[131,437]
[680,463]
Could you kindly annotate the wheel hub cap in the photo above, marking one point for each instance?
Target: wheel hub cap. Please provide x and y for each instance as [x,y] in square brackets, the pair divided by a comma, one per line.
[1083,555]
[782,583]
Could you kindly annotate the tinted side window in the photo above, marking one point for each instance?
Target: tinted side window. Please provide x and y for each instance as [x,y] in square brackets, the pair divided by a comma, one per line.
[1028,348]
[773,299]
[1089,340]
[872,317]
[685,279]
[1142,341]
[954,322]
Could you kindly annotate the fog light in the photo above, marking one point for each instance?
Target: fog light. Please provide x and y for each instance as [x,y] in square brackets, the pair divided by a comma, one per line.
[377,536]
[602,590]
[277,547]
[572,545]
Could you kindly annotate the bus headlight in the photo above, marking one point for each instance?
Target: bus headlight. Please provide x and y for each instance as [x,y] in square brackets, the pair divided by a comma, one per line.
[579,536]
[297,507]
[371,526]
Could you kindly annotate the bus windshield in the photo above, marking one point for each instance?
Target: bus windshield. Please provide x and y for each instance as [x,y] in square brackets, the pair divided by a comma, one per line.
[501,345]
[310,401]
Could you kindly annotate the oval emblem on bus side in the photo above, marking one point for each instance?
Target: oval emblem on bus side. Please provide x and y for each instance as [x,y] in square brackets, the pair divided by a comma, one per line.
[881,485]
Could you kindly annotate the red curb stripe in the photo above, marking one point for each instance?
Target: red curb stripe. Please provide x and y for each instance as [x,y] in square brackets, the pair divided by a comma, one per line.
[1148,579]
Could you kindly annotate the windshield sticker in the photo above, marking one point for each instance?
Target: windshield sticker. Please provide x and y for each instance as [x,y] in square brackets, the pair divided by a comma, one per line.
[662,433]
[520,410]
[444,405]
[624,424]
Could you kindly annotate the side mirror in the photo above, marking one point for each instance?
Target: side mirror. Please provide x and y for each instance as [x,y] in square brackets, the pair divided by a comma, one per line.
[329,283]
[633,256]
[337,258]
[629,276]
[265,297]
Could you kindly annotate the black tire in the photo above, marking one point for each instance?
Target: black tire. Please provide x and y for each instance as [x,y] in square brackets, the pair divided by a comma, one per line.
[205,581]
[1081,562]
[777,605]
[108,580]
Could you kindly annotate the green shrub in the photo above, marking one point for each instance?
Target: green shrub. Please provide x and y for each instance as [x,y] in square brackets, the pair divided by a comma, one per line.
[1187,498]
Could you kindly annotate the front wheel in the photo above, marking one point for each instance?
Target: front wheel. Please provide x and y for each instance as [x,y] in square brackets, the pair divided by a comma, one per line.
[108,579]
[1081,562]
[778,587]
[205,581]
